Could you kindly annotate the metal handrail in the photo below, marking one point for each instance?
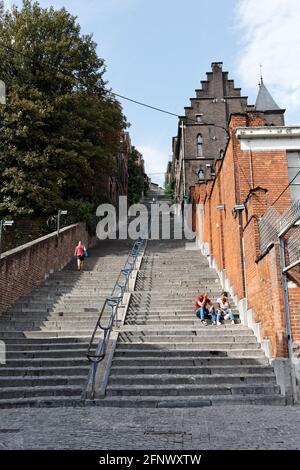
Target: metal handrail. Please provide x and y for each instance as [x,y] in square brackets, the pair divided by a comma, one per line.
[113,301]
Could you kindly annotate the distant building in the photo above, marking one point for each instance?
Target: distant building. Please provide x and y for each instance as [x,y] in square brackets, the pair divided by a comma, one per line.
[169,176]
[141,162]
[153,186]
[118,182]
[203,131]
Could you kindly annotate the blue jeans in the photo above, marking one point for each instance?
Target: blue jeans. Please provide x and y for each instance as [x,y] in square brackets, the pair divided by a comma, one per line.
[201,312]
[228,311]
[216,315]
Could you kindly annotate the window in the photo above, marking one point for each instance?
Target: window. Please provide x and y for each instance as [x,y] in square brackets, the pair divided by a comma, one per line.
[294,168]
[199,118]
[199,146]
[200,174]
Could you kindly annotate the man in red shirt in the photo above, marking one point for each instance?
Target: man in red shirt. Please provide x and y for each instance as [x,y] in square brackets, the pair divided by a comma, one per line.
[202,302]
[79,253]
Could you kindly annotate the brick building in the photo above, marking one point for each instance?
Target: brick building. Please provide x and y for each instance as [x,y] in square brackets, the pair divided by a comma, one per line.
[240,222]
[203,130]
[117,184]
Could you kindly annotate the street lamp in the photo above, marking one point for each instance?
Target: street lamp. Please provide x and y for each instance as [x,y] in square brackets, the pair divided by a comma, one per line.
[60,212]
[4,223]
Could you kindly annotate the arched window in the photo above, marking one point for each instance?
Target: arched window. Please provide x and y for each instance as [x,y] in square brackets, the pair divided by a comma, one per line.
[199,146]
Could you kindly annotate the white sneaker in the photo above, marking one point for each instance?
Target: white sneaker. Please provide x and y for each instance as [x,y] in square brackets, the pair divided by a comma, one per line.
[232,322]
[219,323]
[204,322]
[214,322]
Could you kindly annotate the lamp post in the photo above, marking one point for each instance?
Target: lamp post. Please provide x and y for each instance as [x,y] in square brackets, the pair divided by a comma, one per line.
[60,213]
[4,223]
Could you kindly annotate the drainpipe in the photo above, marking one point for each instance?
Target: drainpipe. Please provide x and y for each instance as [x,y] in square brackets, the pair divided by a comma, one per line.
[288,320]
[237,200]
[251,167]
[183,159]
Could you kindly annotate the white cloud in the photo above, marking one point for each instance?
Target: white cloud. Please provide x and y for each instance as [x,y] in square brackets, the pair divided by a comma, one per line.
[271,37]
[8,4]
[155,162]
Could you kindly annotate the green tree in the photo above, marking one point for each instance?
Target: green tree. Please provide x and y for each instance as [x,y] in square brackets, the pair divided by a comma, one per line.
[60,130]
[170,191]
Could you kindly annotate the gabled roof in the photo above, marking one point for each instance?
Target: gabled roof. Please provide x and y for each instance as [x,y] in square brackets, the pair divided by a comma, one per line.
[264,100]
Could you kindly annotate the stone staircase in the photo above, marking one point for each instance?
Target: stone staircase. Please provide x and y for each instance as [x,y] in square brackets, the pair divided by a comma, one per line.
[165,357]
[47,332]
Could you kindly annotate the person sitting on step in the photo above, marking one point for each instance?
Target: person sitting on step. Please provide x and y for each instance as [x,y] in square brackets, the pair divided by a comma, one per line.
[224,308]
[204,307]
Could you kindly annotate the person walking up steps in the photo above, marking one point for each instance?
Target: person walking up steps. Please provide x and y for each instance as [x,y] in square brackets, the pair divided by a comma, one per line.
[224,307]
[79,253]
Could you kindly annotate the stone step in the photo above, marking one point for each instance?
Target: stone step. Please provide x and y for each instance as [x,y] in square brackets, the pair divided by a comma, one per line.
[60,307]
[185,294]
[152,312]
[40,391]
[195,379]
[189,401]
[54,362]
[25,347]
[10,342]
[38,318]
[197,329]
[48,401]
[177,321]
[144,402]
[65,324]
[42,313]
[44,371]
[192,323]
[190,389]
[195,345]
[188,370]
[61,297]
[40,381]
[190,350]
[39,334]
[82,283]
[51,353]
[211,340]
[54,294]
[66,330]
[186,361]
[165,316]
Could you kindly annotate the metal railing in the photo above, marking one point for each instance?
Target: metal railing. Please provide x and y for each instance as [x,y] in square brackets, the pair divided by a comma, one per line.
[268,229]
[273,224]
[111,304]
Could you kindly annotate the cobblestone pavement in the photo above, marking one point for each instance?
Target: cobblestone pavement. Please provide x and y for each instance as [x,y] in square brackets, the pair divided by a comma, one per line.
[228,427]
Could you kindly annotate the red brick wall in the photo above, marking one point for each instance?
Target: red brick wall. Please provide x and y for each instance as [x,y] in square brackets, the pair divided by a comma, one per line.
[264,290]
[25,267]
[232,245]
[237,176]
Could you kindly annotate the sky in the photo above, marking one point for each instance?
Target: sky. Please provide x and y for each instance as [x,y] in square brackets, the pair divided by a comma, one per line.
[157,51]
